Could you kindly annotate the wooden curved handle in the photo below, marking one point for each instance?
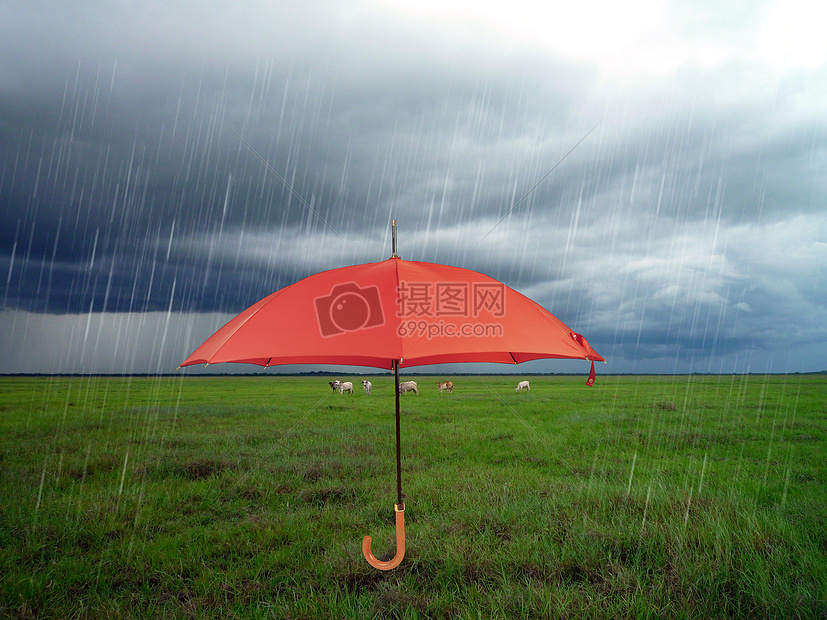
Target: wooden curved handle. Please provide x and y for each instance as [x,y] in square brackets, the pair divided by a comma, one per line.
[400,544]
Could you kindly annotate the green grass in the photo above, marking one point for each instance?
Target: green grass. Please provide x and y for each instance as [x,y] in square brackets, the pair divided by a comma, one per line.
[247,497]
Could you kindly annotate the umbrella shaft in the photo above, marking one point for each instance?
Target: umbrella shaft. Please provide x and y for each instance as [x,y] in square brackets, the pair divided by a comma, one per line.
[398,438]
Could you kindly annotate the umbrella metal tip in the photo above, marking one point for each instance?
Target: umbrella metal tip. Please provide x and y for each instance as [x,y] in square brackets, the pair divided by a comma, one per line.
[393,240]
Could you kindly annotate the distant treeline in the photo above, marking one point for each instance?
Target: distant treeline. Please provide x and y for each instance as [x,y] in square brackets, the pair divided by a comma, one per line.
[318,373]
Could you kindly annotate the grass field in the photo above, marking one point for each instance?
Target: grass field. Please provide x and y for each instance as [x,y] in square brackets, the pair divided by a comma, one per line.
[247,497]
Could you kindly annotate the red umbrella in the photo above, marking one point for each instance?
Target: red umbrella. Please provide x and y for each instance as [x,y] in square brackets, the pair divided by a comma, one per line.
[394,314]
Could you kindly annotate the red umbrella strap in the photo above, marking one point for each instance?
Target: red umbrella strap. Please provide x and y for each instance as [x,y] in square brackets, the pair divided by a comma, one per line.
[590,380]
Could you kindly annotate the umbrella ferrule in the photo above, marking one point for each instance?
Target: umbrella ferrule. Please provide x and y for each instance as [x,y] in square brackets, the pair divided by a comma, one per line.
[393,240]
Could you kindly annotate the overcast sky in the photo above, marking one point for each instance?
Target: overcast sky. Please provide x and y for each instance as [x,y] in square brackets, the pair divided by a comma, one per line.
[685,231]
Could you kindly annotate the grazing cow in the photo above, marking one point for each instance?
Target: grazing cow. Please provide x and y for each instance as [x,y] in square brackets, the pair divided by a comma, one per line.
[523,385]
[408,386]
[347,386]
[367,385]
[334,385]
[446,385]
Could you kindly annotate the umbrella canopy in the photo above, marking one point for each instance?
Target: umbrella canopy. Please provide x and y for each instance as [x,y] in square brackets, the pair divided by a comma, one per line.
[378,314]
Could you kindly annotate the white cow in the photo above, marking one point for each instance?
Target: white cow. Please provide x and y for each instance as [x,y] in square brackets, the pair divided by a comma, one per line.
[347,386]
[367,385]
[523,385]
[408,386]
[447,386]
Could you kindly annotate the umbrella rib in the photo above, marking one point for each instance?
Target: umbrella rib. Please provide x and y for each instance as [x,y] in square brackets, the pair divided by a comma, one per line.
[244,322]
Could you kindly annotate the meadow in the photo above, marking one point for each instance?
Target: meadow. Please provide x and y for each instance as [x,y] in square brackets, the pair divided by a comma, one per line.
[248,497]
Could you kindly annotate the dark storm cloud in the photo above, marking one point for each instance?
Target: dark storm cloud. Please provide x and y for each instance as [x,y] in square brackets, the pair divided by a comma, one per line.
[83,173]
[125,189]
